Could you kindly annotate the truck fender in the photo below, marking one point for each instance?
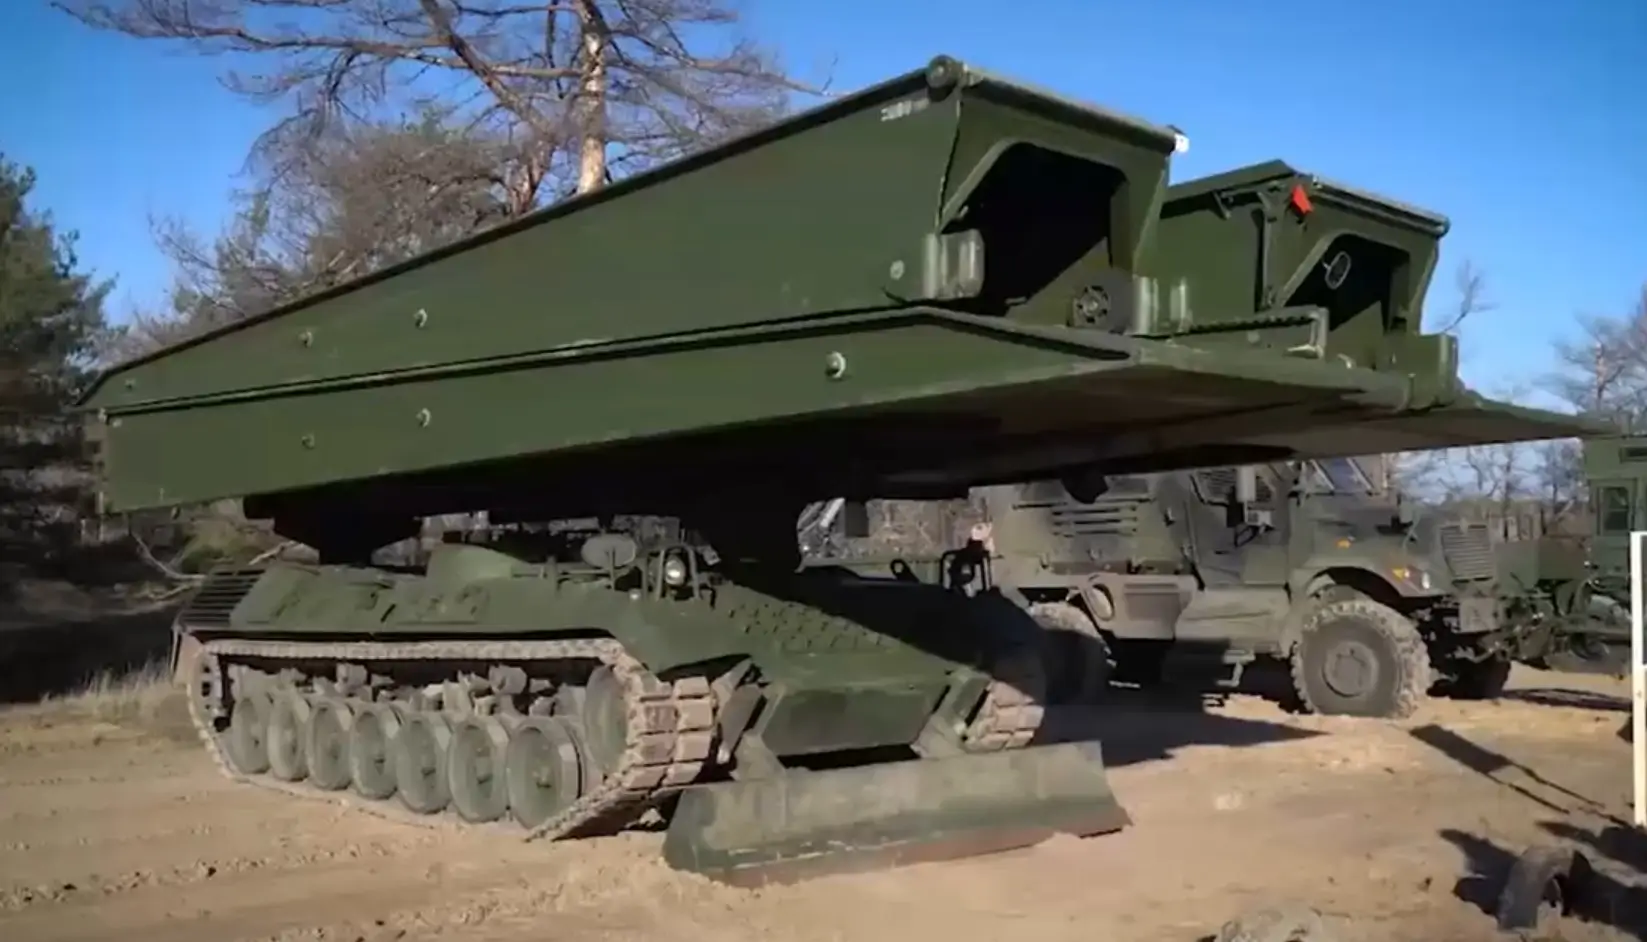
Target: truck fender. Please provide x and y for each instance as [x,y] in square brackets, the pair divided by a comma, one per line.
[1361,581]
[1097,600]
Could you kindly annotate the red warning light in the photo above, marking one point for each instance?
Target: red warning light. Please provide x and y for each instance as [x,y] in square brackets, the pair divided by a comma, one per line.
[1300,200]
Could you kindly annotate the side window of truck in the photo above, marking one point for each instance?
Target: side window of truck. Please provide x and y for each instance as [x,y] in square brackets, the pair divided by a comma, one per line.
[1217,486]
[1613,507]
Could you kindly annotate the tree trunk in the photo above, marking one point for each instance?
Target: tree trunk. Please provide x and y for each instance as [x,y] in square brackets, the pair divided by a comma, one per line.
[591,104]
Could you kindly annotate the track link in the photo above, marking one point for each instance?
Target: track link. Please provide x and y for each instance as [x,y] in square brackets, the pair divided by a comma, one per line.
[669,735]
[1012,709]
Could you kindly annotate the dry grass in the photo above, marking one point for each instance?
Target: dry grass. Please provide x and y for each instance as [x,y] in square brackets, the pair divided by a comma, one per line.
[145,700]
[132,698]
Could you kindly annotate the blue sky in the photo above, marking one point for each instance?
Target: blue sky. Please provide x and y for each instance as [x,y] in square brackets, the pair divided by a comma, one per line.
[1522,122]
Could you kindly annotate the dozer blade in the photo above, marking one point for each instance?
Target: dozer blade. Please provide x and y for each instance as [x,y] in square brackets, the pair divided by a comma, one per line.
[803,825]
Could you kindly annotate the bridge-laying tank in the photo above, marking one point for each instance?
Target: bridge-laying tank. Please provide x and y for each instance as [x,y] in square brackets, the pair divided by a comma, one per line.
[944,281]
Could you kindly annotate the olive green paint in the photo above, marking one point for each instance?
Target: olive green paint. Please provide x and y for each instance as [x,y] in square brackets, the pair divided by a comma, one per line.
[825,263]
[909,359]
[820,640]
[1229,580]
[1615,472]
[804,219]
[799,826]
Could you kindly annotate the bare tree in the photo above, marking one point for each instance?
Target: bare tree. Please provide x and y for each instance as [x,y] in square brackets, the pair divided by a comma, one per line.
[1604,373]
[1559,475]
[516,103]
[1471,286]
[358,200]
[572,92]
[1601,375]
[1519,486]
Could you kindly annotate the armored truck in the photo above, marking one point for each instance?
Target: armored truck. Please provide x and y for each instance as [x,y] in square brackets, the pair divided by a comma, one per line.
[1615,473]
[944,281]
[1573,591]
[1114,579]
[1191,576]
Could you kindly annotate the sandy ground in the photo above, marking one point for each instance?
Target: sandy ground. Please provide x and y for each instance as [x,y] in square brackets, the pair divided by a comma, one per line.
[113,825]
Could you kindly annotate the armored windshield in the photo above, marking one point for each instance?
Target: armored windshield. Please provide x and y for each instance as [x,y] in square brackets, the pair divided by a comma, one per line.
[1338,476]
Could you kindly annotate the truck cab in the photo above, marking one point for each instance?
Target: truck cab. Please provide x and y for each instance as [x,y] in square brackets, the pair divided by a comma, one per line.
[1615,470]
[1570,593]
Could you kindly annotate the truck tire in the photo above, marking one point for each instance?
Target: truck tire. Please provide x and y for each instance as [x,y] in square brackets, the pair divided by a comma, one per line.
[1545,883]
[1357,657]
[1478,680]
[1078,659]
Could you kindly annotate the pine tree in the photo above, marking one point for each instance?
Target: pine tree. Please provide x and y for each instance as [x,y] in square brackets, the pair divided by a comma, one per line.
[51,320]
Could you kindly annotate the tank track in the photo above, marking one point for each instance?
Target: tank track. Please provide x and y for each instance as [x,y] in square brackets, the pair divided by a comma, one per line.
[669,737]
[1013,706]
[671,726]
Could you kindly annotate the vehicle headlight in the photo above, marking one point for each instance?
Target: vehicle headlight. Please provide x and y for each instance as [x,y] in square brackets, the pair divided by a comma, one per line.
[674,571]
[1412,576]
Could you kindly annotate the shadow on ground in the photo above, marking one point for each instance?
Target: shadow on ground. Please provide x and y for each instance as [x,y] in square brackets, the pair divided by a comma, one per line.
[42,658]
[1136,725]
[1601,890]
[1580,699]
[1603,886]
[1521,779]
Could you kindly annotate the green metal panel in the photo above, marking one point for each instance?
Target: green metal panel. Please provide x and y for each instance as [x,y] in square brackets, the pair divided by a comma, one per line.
[945,253]
[1283,242]
[806,218]
[1614,464]
[805,635]
[928,361]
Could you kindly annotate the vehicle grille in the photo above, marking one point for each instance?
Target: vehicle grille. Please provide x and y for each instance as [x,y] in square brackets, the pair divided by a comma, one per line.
[214,602]
[1104,519]
[1468,549]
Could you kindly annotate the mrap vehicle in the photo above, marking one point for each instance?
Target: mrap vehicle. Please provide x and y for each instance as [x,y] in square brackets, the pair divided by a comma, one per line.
[1191,576]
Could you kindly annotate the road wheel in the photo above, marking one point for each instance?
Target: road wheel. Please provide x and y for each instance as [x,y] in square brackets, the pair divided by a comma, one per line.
[1078,661]
[1356,657]
[1478,680]
[418,754]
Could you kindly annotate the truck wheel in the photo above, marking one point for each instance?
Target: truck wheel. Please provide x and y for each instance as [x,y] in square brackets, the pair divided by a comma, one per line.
[1356,657]
[1076,655]
[1478,680]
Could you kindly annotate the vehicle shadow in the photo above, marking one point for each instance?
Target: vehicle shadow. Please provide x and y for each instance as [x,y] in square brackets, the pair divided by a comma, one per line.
[1130,725]
[1579,699]
[1600,884]
[1617,841]
[1600,892]
[1491,765]
[1142,725]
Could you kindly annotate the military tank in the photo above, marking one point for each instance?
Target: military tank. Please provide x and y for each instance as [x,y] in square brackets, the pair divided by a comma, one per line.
[936,283]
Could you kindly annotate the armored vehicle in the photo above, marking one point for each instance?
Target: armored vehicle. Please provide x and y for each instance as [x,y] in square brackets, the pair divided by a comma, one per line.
[944,281]
[1191,576]
[1573,591]
[1615,472]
